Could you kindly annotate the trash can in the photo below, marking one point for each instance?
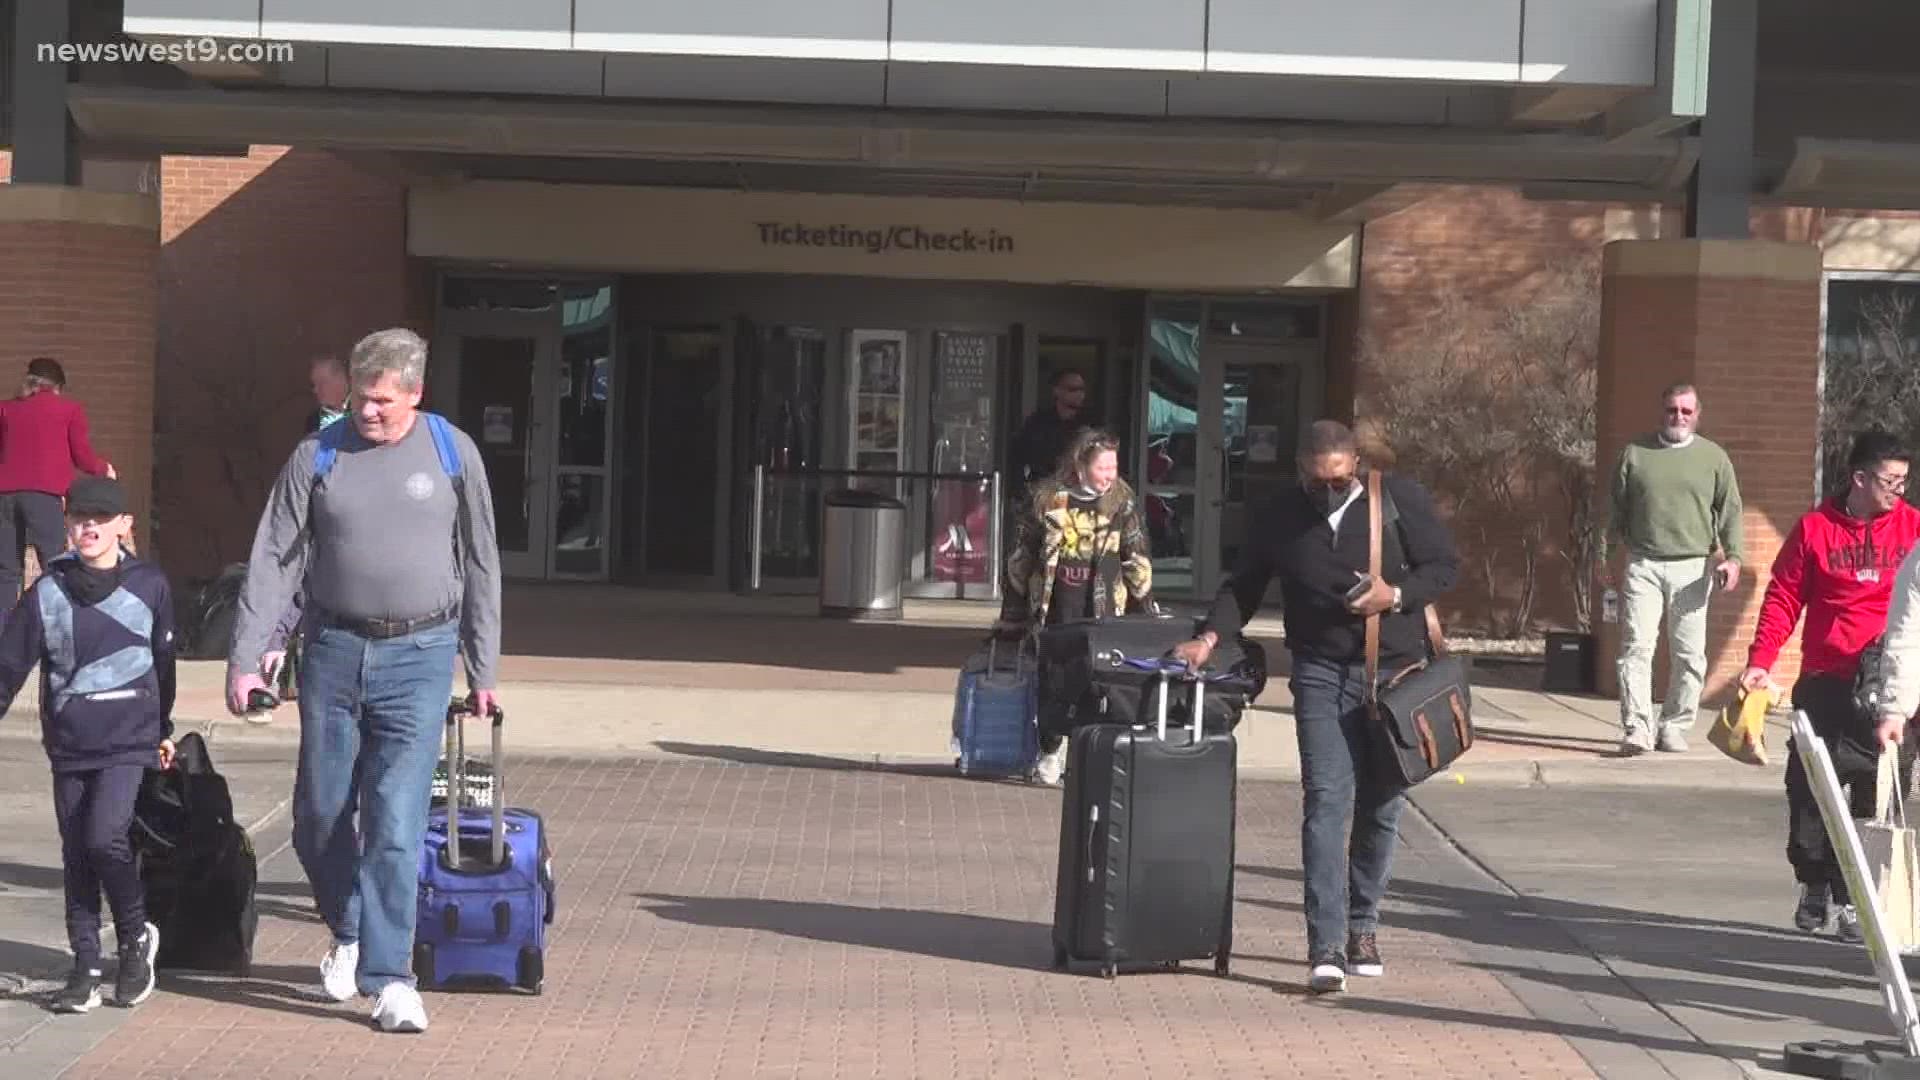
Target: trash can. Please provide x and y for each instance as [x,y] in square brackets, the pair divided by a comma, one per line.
[862,555]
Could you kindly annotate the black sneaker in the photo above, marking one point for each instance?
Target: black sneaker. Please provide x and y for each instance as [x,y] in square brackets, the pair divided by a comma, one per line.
[1363,956]
[1328,973]
[1810,917]
[82,992]
[134,982]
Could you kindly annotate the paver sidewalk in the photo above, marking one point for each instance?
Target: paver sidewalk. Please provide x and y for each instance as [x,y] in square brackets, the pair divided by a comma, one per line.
[730,919]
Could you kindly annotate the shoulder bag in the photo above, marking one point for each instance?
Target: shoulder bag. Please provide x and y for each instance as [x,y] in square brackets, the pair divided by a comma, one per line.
[1422,713]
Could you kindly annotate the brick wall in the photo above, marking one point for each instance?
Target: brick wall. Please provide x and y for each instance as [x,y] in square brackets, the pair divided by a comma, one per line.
[1743,324]
[1493,248]
[85,294]
[268,261]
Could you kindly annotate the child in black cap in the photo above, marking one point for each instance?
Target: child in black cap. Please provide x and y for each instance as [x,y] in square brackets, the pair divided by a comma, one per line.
[99,622]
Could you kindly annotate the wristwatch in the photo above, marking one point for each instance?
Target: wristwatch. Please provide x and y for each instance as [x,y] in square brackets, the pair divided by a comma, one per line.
[1396,598]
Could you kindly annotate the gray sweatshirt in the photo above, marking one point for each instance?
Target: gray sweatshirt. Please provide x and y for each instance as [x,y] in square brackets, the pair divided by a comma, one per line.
[380,538]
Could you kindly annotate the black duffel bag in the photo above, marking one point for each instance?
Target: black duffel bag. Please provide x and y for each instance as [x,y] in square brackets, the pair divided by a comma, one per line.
[1103,671]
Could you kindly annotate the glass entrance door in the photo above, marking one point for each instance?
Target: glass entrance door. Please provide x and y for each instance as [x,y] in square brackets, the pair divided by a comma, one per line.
[528,374]
[500,365]
[1222,422]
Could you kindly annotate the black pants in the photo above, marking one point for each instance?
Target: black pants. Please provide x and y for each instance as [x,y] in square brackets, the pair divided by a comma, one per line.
[27,517]
[1828,703]
[95,809]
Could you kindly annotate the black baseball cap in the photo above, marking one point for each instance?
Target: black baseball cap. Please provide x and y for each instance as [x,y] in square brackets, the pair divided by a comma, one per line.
[96,495]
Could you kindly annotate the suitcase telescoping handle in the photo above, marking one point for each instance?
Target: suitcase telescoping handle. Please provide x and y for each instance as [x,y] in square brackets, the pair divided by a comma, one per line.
[1166,691]
[457,777]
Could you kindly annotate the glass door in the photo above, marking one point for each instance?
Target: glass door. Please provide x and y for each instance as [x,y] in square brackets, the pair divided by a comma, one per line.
[1229,387]
[500,371]
[1169,472]
[676,456]
[1268,395]
[583,433]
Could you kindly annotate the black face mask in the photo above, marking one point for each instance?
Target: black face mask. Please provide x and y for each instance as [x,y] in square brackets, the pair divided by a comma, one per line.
[1327,497]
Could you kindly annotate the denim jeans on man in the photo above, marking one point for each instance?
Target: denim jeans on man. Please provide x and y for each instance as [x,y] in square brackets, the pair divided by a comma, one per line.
[1346,864]
[372,713]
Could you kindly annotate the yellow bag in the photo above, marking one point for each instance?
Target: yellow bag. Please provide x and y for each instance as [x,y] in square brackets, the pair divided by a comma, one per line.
[1740,731]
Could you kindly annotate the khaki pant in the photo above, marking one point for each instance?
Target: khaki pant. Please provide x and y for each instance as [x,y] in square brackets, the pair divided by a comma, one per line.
[1679,588]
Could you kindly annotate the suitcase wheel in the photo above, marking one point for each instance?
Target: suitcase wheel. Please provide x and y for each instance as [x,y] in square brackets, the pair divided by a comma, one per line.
[423,963]
[530,973]
[1109,971]
[1222,964]
[1059,958]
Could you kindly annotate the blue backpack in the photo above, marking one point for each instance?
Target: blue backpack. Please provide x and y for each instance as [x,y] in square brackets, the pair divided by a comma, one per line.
[335,435]
[338,433]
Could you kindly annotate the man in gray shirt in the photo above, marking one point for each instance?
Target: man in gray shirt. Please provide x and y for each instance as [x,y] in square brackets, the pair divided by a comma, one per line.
[386,521]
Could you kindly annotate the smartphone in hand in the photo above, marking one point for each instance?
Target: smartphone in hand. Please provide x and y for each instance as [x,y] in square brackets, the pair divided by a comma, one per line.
[1360,588]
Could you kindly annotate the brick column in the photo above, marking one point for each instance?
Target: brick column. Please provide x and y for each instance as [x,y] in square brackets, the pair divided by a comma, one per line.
[1740,319]
[78,284]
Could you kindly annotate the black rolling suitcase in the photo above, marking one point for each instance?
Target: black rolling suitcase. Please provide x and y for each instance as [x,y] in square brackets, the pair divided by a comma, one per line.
[1146,843]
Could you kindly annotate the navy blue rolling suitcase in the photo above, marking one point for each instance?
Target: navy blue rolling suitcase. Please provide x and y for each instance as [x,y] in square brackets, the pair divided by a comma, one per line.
[486,895]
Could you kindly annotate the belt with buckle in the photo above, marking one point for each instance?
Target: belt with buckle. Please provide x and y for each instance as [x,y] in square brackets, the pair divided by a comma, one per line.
[387,628]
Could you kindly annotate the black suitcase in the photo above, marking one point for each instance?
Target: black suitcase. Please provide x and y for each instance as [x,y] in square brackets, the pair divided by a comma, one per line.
[1102,671]
[1146,844]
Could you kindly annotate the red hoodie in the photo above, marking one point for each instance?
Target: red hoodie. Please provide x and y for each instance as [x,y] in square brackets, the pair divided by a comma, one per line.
[1840,569]
[43,438]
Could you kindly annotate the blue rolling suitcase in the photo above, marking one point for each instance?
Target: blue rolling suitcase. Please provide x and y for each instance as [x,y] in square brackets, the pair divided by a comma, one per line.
[486,896]
[994,714]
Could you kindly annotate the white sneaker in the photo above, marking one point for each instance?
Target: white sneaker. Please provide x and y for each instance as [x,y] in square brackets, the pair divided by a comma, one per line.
[1671,742]
[400,1009]
[1327,979]
[1048,769]
[339,972]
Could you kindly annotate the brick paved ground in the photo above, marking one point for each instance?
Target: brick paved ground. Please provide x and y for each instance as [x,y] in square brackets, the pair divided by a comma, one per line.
[735,919]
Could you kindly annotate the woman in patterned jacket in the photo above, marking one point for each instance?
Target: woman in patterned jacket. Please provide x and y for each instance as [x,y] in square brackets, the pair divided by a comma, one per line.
[1079,552]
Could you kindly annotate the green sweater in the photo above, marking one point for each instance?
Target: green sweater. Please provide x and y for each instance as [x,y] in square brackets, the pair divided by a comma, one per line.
[1676,502]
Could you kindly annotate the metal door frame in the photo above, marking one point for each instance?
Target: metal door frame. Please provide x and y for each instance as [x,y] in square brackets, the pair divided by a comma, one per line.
[1209,481]
[543,328]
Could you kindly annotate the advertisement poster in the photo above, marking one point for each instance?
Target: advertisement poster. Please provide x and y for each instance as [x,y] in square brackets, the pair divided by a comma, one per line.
[877,385]
[964,368]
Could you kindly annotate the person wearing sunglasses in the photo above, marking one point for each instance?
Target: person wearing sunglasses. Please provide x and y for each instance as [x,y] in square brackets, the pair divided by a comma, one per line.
[1838,566]
[1313,538]
[1673,534]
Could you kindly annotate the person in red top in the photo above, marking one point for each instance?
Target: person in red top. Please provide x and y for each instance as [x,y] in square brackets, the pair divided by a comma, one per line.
[43,439]
[1838,565]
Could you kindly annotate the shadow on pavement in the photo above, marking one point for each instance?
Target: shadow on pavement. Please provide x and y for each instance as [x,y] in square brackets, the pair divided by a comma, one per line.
[747,755]
[25,969]
[1714,964]
[286,988]
[942,934]
[15,875]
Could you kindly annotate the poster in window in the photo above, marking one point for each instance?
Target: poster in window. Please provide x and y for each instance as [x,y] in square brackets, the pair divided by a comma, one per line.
[965,367]
[496,425]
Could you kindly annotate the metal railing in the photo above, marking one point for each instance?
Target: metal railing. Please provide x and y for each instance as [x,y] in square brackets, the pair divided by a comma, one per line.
[921,492]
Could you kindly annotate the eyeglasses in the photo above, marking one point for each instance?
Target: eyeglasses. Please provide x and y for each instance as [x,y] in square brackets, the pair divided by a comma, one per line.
[1674,410]
[1895,484]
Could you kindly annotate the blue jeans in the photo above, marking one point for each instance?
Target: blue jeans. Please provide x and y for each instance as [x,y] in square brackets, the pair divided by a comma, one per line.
[372,713]
[1346,865]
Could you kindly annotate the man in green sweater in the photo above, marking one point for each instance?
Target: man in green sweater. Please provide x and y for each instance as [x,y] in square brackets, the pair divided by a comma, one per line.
[1676,513]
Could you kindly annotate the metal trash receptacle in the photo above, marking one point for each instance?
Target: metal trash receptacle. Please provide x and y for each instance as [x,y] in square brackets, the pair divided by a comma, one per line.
[862,555]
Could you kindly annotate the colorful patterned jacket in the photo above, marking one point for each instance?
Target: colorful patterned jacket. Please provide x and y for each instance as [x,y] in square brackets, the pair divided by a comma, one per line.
[1050,526]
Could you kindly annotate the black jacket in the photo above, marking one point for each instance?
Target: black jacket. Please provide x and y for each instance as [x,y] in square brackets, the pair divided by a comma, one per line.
[1288,537]
[106,662]
[1040,442]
